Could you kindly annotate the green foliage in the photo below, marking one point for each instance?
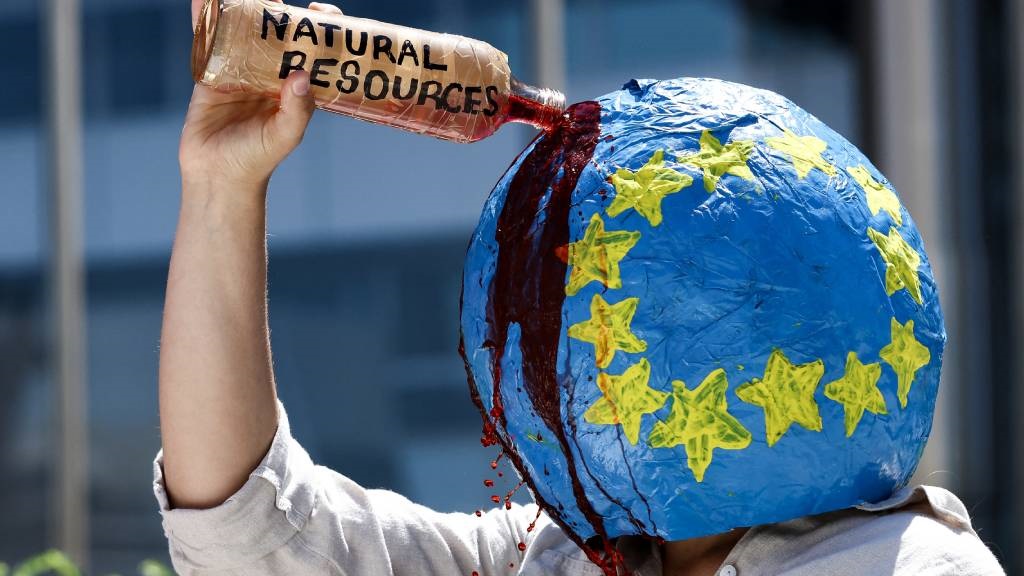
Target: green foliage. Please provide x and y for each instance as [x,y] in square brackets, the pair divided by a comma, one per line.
[154,568]
[56,562]
[49,561]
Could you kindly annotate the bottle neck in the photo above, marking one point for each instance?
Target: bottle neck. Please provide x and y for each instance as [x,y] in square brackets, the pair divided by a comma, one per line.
[540,107]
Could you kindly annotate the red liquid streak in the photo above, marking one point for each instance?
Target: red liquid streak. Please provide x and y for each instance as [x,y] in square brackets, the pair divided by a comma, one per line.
[528,289]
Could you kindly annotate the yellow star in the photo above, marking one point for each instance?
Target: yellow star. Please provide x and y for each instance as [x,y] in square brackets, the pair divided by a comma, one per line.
[717,160]
[805,151]
[644,189]
[901,263]
[786,394]
[596,256]
[906,356]
[608,329]
[700,419]
[878,196]
[626,399]
[857,391]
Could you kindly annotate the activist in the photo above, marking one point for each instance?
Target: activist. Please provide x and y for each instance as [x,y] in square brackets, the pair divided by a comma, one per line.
[239,495]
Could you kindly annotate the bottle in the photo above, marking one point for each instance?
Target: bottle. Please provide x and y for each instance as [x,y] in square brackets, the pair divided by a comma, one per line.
[448,86]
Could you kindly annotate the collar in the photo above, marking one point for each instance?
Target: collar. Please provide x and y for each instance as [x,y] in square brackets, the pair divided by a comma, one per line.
[643,557]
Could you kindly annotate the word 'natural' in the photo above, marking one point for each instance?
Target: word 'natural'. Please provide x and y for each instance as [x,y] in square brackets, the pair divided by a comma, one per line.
[349,76]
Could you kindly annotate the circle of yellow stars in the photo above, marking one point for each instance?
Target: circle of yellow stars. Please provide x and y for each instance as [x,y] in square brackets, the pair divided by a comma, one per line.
[699,419]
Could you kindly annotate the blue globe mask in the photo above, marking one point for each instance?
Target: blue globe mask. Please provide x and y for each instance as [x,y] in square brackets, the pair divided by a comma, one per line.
[694,307]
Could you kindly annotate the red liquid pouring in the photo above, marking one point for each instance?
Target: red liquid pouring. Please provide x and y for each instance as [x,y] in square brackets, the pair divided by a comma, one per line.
[528,288]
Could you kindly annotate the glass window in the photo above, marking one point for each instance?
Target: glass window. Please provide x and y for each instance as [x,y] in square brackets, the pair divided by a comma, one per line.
[26,411]
[126,59]
[20,39]
[26,418]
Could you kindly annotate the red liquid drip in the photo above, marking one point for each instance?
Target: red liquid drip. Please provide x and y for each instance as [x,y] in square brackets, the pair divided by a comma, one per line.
[490,433]
[508,497]
[489,483]
[522,546]
[528,288]
[535,518]
[516,489]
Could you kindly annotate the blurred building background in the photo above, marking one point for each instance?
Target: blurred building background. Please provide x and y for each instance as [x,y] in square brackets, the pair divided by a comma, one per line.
[368,227]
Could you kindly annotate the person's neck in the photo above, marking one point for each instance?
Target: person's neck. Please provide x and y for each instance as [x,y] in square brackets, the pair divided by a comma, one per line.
[698,556]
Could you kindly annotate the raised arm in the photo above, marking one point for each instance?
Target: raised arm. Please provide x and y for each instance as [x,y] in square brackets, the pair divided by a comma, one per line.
[217,398]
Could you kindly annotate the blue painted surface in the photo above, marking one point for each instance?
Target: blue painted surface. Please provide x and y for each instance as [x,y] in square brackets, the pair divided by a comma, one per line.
[778,262]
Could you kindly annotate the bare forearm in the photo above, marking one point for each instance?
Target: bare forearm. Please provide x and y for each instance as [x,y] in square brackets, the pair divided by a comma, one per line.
[217,399]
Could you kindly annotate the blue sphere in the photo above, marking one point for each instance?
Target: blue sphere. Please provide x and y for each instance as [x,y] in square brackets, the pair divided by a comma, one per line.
[703,310]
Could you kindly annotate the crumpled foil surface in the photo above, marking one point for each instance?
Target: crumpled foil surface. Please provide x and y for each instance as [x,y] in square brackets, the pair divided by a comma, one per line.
[785,268]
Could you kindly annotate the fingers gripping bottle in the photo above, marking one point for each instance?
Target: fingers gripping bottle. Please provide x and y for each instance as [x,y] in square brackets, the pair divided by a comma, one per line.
[448,86]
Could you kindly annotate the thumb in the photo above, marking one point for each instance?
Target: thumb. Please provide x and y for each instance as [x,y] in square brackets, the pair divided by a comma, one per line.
[289,123]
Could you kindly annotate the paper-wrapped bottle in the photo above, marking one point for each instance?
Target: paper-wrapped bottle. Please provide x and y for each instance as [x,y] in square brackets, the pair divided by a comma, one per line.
[448,86]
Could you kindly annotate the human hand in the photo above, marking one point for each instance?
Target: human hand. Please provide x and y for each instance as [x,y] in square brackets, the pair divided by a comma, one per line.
[236,140]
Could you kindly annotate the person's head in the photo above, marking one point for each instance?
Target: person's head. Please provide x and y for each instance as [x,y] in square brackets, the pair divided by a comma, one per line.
[695,307]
